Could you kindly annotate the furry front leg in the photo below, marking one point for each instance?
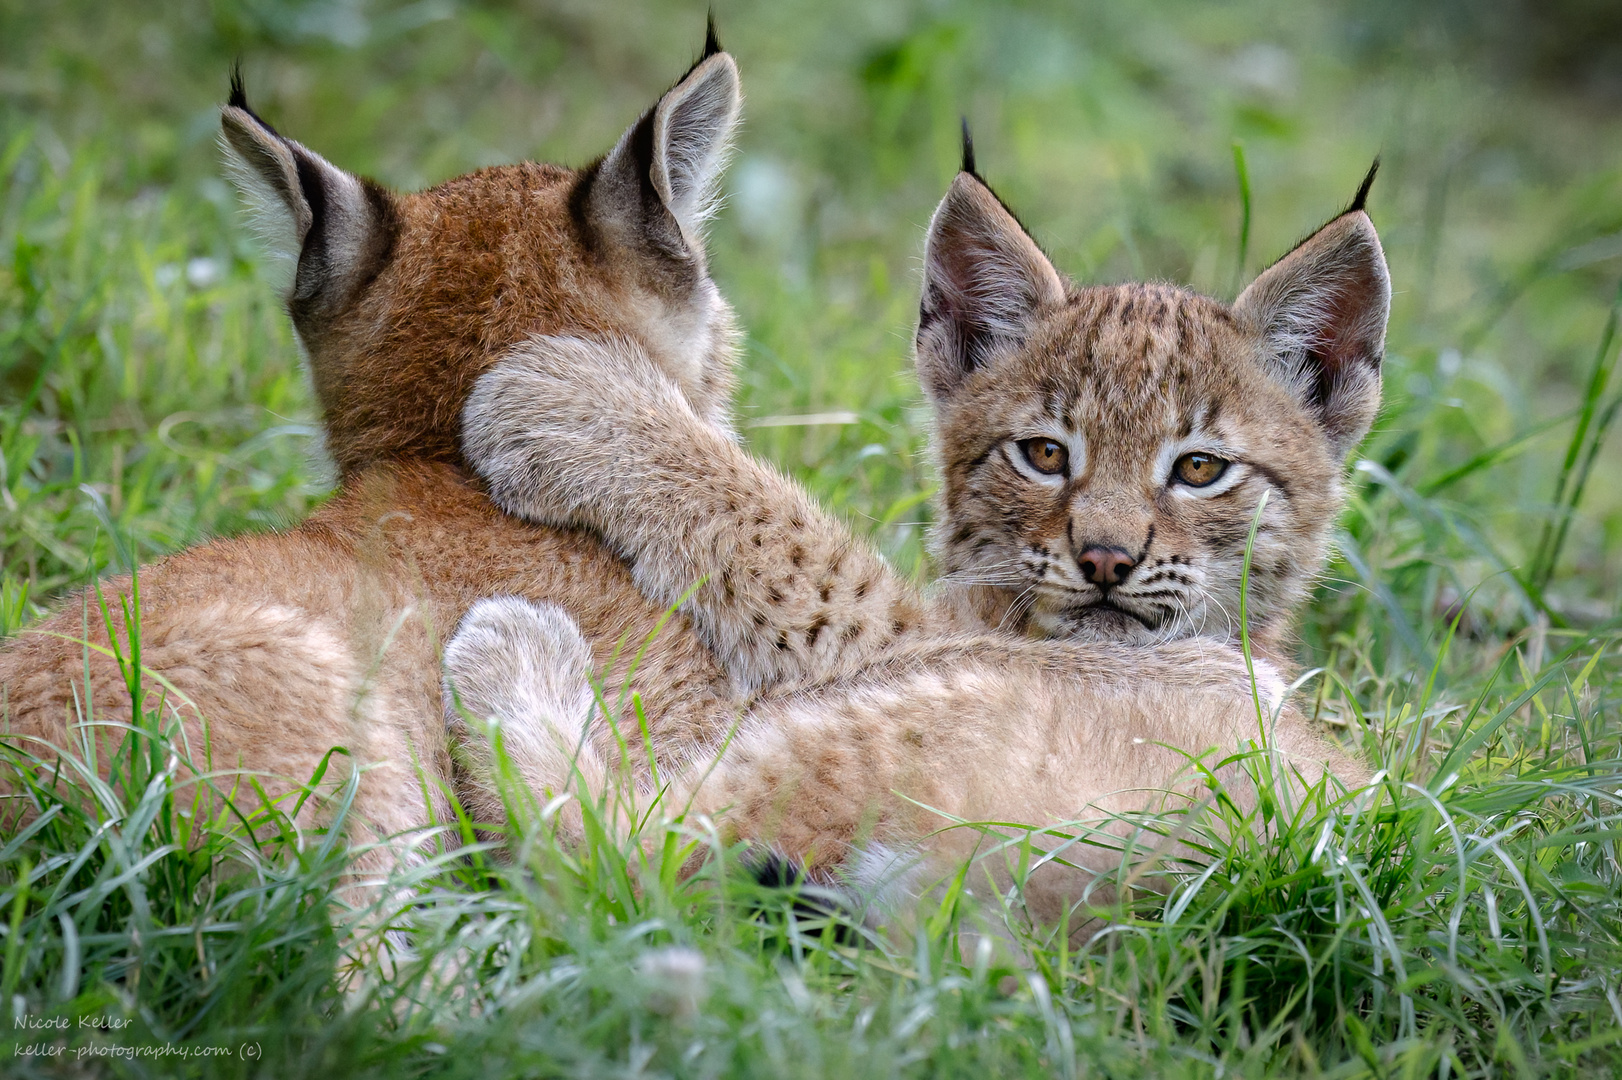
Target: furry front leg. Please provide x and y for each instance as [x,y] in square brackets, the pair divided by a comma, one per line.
[569,431]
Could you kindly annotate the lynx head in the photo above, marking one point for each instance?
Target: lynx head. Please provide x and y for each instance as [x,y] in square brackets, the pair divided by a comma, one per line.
[1104,450]
[400,301]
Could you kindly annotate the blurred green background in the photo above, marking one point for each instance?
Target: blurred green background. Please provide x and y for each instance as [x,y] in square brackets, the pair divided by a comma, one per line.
[151,396]
[149,387]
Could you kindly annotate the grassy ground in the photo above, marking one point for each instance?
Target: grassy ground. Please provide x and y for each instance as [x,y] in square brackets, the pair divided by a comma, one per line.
[1467,922]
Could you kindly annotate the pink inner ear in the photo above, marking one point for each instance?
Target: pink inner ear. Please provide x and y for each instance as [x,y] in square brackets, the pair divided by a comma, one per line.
[1327,299]
[1348,320]
[984,281]
[966,278]
[1339,344]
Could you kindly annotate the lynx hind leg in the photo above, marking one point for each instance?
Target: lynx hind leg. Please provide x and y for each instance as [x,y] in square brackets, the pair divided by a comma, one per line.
[521,670]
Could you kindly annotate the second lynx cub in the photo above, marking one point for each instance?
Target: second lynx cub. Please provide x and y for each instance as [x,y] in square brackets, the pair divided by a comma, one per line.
[1105,451]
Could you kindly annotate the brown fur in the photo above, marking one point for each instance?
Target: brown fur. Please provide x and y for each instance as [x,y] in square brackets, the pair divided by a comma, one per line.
[833,759]
[481,261]
[569,431]
[1134,367]
[327,635]
[293,643]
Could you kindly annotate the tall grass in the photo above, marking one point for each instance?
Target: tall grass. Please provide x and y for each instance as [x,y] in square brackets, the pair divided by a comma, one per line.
[1460,917]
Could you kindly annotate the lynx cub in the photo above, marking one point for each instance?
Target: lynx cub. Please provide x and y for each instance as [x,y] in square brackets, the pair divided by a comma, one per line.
[1105,452]
[291,644]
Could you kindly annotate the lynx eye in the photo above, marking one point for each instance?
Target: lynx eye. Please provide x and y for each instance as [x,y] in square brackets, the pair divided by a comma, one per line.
[1199,469]
[1046,455]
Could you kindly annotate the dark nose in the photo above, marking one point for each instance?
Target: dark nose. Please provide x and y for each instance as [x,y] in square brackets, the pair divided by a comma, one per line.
[1106,566]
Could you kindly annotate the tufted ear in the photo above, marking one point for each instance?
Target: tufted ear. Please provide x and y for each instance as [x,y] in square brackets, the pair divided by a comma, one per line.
[1321,312]
[658,185]
[338,227]
[985,282]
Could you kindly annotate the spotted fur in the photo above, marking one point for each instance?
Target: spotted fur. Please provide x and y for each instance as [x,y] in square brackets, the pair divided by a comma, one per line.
[858,780]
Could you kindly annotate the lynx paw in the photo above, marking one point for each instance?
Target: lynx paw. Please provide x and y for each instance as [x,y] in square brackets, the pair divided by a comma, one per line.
[522,666]
[547,427]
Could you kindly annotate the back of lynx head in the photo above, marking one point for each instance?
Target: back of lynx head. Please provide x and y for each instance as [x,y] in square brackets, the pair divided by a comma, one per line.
[1105,449]
[400,301]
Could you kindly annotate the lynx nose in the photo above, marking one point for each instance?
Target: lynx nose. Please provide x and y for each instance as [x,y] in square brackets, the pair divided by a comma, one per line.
[1106,566]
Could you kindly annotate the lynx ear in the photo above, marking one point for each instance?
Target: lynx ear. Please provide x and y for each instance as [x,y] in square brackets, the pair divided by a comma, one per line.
[339,227]
[658,184]
[985,281]
[1321,311]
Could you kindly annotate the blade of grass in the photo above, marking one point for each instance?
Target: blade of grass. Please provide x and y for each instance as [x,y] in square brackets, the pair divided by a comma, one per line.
[1599,377]
[1242,173]
[1493,456]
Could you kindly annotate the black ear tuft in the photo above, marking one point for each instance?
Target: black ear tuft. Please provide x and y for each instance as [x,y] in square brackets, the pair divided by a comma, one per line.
[712,40]
[967,164]
[239,95]
[1362,196]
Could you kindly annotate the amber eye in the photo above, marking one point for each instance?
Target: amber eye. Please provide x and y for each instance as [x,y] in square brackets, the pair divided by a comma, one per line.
[1199,470]
[1045,455]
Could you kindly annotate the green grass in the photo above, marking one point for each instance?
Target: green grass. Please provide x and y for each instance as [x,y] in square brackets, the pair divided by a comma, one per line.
[1461,919]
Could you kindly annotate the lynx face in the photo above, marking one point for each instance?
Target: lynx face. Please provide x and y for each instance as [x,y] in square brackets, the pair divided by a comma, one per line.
[1104,450]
